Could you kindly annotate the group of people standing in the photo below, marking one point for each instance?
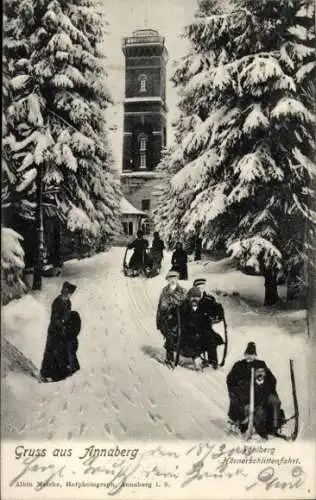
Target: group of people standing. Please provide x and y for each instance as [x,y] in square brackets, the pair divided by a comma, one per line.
[194,312]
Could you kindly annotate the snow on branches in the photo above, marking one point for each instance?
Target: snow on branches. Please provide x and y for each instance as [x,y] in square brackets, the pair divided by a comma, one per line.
[55,111]
[247,159]
[12,265]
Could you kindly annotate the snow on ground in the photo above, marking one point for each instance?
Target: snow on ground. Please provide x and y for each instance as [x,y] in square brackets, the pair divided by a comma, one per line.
[120,391]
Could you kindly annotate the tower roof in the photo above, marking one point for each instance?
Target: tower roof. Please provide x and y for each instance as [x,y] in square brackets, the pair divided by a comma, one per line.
[144,37]
[145,32]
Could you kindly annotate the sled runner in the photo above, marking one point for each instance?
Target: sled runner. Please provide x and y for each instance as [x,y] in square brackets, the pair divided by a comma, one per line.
[284,431]
[185,350]
[144,269]
[219,317]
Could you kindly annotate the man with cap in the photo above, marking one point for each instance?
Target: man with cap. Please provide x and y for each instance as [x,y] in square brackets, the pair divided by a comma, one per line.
[59,360]
[211,311]
[169,309]
[268,413]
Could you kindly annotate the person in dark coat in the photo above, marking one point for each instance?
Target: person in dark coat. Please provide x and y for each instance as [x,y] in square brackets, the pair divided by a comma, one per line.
[139,257]
[59,360]
[193,326]
[212,312]
[268,413]
[179,261]
[157,249]
[169,312]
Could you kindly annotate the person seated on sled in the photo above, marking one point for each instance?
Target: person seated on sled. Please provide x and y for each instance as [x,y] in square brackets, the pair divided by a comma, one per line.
[212,312]
[268,415]
[157,249]
[169,305]
[193,326]
[179,261]
[139,258]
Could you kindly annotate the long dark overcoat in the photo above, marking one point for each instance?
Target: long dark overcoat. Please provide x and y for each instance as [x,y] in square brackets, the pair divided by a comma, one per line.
[60,354]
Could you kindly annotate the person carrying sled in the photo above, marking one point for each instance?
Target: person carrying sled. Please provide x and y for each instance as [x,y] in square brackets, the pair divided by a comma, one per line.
[169,312]
[139,258]
[179,261]
[60,359]
[211,311]
[267,406]
[157,249]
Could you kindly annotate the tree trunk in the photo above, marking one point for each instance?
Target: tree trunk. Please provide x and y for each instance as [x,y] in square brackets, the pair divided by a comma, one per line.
[197,248]
[39,233]
[271,288]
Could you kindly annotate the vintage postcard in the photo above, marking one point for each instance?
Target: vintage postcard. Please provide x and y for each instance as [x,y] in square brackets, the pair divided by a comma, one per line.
[158,249]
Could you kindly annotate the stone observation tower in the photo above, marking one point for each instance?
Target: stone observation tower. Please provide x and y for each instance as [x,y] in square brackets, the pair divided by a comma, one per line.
[144,119]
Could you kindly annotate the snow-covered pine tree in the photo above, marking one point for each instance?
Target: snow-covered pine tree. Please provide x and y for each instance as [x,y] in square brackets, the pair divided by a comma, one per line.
[12,265]
[57,115]
[248,162]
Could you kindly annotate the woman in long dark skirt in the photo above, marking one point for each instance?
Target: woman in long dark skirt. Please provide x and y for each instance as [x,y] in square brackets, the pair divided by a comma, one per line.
[57,362]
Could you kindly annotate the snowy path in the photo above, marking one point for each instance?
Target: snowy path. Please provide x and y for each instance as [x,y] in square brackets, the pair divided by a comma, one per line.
[120,392]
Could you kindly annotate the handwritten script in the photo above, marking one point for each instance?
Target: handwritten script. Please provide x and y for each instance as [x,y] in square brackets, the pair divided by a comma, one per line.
[246,467]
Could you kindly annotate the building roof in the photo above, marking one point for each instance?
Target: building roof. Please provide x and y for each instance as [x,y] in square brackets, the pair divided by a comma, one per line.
[145,32]
[127,208]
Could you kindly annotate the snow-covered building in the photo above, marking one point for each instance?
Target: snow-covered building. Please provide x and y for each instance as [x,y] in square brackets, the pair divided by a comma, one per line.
[132,218]
[144,117]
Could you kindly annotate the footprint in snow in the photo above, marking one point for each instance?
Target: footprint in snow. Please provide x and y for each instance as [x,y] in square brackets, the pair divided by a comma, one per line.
[116,408]
[123,427]
[168,429]
[154,418]
[152,402]
[40,417]
[82,429]
[108,430]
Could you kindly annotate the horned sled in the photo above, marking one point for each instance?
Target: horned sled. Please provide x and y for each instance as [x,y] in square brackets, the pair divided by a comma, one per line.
[287,427]
[184,352]
[146,268]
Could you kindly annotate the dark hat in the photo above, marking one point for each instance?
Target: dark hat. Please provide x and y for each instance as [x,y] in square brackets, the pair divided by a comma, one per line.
[199,281]
[194,293]
[172,274]
[251,349]
[68,287]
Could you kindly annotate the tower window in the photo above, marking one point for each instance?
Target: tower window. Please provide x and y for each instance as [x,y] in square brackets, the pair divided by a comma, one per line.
[142,144]
[145,204]
[142,83]
[143,160]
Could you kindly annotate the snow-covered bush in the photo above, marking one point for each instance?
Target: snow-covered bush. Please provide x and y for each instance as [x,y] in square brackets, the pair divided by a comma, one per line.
[246,136]
[12,265]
